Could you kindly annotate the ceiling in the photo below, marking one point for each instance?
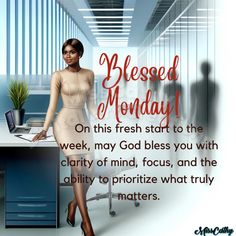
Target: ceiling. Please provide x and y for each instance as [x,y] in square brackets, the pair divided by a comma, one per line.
[132,20]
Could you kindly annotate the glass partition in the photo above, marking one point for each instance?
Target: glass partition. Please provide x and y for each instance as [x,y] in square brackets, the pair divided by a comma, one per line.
[186,30]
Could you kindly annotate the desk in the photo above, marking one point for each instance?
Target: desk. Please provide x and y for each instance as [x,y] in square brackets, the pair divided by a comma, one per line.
[31,181]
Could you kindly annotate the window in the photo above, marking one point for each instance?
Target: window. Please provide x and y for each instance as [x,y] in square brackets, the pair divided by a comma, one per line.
[3,23]
[34,32]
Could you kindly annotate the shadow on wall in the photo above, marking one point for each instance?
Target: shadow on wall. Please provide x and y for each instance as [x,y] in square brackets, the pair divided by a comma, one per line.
[204,100]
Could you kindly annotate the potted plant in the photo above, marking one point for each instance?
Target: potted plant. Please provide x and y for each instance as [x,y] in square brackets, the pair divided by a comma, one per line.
[18,93]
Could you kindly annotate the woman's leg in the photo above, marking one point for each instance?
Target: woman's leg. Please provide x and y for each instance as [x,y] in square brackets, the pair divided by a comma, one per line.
[73,202]
[80,190]
[72,206]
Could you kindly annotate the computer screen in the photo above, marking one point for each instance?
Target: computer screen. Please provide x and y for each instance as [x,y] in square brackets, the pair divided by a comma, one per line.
[10,120]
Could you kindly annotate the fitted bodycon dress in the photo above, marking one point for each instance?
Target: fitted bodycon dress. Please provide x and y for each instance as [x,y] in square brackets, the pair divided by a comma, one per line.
[76,89]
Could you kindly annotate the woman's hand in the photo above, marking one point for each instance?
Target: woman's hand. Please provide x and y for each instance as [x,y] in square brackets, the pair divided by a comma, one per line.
[40,136]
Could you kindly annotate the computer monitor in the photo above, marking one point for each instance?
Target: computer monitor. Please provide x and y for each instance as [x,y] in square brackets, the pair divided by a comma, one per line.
[10,120]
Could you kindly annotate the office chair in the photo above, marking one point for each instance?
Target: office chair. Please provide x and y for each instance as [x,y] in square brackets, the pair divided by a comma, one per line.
[109,172]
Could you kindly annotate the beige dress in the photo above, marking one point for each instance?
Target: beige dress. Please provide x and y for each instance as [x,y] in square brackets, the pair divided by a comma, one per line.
[76,89]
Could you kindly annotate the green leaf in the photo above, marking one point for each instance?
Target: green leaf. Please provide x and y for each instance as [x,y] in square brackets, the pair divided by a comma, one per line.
[18,93]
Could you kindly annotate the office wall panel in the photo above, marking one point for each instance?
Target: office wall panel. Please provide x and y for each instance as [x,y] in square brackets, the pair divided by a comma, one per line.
[35,31]
[52,35]
[13,34]
[3,24]
[26,40]
[19,38]
[44,41]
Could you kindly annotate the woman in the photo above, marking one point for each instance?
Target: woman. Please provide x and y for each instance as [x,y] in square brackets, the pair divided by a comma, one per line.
[75,84]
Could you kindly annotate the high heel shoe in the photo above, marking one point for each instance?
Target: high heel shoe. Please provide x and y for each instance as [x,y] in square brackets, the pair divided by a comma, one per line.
[70,220]
[82,228]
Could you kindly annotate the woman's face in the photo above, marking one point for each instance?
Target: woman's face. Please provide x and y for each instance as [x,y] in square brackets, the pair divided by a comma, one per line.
[70,55]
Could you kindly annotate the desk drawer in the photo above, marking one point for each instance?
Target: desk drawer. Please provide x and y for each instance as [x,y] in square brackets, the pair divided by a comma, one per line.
[30,216]
[27,196]
[25,223]
[31,207]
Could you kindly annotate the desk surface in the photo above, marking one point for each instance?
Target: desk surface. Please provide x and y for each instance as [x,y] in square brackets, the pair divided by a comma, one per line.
[10,140]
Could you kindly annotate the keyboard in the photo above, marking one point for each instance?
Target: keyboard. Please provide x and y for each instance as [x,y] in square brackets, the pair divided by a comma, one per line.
[21,131]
